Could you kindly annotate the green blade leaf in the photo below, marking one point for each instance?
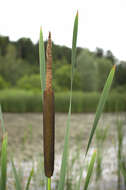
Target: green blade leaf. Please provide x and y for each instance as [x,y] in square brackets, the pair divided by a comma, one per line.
[3,178]
[29,179]
[66,141]
[123,171]
[74,42]
[42,62]
[80,178]
[1,120]
[90,171]
[101,104]
[17,181]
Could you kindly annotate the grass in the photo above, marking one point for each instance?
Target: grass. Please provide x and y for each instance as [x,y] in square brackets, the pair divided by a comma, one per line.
[22,101]
[120,136]
[3,177]
[101,135]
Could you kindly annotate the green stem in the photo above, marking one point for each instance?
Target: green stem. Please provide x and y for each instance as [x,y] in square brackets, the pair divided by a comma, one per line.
[48,187]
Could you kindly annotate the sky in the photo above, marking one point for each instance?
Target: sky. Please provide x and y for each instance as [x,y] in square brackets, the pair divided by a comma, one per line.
[102,23]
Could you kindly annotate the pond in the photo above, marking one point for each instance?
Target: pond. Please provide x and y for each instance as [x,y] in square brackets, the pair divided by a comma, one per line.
[25,142]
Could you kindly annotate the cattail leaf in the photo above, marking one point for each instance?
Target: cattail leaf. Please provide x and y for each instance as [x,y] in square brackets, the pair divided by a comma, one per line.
[3,178]
[42,62]
[90,171]
[66,141]
[74,42]
[29,179]
[101,104]
[17,181]
[80,178]
[2,121]
[123,171]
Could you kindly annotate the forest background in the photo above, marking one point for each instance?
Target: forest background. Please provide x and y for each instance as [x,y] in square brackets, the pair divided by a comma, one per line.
[19,71]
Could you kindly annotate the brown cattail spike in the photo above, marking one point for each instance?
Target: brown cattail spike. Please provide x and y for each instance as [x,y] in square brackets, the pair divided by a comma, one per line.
[49,115]
[49,63]
[48,132]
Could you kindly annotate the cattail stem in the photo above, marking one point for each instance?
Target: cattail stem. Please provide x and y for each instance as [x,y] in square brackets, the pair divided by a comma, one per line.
[48,184]
[48,115]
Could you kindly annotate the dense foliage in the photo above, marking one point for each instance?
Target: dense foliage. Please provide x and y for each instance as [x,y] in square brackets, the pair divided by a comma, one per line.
[30,101]
[19,67]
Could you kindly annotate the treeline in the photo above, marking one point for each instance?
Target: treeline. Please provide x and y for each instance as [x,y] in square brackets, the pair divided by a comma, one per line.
[19,67]
[26,50]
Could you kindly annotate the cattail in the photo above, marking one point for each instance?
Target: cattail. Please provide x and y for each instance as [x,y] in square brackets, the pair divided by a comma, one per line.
[48,115]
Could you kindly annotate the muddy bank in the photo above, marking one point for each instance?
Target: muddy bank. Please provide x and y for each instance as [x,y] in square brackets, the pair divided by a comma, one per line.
[25,130]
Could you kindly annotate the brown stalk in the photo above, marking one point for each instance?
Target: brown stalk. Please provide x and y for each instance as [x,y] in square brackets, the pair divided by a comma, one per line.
[48,115]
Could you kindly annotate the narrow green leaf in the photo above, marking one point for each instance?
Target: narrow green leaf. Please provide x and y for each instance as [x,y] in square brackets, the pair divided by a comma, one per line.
[101,104]
[74,42]
[90,171]
[123,171]
[29,179]
[80,178]
[17,181]
[98,114]
[1,120]
[42,62]
[65,154]
[66,141]
[3,178]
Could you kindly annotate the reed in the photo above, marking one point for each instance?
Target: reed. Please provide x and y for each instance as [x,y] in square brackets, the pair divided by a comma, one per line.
[3,162]
[23,101]
[120,136]
[48,108]
[101,135]
[123,169]
[48,115]
[3,174]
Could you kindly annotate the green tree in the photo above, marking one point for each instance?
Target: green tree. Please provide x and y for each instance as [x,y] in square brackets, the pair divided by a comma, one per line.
[11,68]
[99,52]
[88,71]
[120,75]
[31,82]
[62,78]
[26,50]
[11,52]
[110,56]
[3,83]
[4,40]
[59,52]
[103,68]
